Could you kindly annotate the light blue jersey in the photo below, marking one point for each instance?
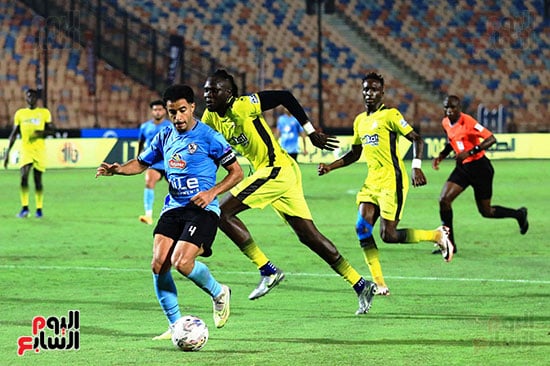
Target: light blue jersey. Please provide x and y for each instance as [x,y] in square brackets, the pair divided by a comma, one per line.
[290,130]
[148,130]
[190,161]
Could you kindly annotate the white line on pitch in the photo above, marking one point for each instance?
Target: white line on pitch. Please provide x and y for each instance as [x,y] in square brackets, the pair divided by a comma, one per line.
[81,268]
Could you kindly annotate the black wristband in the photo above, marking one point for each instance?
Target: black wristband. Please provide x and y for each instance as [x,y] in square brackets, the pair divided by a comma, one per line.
[475,150]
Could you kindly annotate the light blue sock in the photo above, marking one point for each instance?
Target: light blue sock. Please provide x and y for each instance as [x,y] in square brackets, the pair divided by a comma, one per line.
[167,295]
[148,199]
[202,277]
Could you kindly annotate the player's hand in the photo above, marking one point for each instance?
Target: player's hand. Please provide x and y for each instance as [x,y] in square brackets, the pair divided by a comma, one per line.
[107,169]
[435,163]
[323,169]
[418,178]
[322,141]
[203,198]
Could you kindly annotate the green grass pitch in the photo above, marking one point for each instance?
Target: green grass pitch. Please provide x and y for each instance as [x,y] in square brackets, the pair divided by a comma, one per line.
[489,306]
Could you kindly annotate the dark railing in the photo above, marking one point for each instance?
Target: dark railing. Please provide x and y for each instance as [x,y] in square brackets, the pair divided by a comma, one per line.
[128,43]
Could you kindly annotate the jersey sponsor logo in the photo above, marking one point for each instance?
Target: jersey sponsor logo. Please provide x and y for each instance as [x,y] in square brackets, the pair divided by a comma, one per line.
[32,121]
[177,162]
[370,140]
[183,186]
[192,147]
[239,140]
[403,123]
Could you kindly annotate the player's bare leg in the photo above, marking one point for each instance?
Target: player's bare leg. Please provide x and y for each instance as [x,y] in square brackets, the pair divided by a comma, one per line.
[236,230]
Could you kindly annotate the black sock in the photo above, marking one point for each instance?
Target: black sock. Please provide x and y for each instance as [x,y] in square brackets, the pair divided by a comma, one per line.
[501,212]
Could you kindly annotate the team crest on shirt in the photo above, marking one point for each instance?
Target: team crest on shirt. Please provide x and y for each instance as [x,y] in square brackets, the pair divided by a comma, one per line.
[176,162]
[192,147]
[370,140]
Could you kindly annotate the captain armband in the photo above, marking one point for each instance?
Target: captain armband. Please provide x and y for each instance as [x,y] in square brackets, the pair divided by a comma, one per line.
[229,158]
[308,128]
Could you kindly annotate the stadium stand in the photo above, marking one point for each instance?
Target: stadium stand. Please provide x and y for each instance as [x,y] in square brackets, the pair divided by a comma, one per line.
[237,32]
[121,102]
[488,53]
[458,47]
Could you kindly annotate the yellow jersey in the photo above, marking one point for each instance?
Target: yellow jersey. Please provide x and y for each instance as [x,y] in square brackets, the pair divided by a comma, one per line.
[245,128]
[29,121]
[379,134]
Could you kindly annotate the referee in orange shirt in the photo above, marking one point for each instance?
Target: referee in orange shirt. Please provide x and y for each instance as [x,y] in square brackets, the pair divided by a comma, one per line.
[473,168]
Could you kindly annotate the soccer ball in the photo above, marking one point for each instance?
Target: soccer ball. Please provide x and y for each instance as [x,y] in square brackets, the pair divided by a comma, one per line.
[189,333]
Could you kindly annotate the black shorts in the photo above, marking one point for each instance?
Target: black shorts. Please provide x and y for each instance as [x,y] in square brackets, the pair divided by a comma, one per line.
[190,224]
[478,174]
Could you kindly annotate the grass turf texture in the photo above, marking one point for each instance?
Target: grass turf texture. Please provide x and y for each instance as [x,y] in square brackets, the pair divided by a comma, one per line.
[489,306]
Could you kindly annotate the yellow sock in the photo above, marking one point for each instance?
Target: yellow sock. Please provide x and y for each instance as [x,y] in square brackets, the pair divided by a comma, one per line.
[416,235]
[344,269]
[24,194]
[372,259]
[254,253]
[39,197]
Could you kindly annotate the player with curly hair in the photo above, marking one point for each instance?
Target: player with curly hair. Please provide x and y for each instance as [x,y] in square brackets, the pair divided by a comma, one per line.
[276,180]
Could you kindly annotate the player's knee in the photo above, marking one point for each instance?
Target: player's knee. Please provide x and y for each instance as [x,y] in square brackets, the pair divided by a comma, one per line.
[363,228]
[486,213]
[389,236]
[224,223]
[184,265]
[156,265]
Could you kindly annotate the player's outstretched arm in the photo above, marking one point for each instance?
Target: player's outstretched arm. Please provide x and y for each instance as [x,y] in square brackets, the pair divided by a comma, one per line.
[131,167]
[272,98]
[350,157]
